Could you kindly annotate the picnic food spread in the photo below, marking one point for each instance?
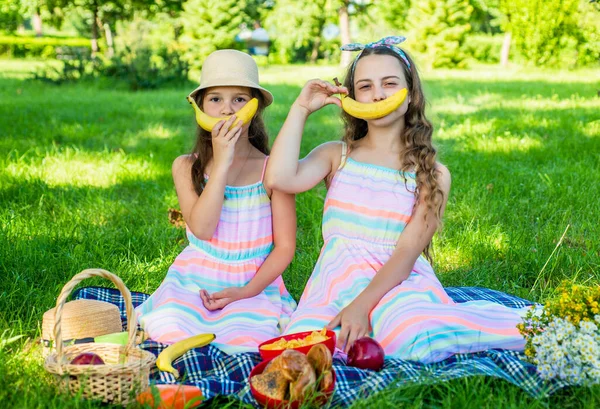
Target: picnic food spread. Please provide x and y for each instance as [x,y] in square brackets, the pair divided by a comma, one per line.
[313,338]
[293,376]
[207,122]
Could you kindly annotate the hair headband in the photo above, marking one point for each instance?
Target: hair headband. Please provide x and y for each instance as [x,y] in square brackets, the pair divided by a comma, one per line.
[388,42]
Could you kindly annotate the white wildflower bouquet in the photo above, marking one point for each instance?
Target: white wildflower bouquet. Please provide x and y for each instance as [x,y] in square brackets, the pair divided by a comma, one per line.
[563,337]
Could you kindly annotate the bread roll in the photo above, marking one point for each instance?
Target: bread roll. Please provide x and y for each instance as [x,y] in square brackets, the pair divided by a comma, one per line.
[272,384]
[320,358]
[300,372]
[275,365]
[293,363]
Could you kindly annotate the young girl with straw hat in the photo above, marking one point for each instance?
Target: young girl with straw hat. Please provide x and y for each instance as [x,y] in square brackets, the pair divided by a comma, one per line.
[242,235]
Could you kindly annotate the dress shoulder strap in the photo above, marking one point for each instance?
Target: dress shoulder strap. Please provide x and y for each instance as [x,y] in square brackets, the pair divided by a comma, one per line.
[344,154]
[262,176]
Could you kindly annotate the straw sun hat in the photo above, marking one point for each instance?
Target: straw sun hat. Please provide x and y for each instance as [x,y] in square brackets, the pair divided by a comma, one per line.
[231,68]
[82,319]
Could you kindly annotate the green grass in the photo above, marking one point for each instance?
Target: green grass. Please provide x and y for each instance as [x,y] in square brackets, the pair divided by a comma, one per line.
[85,182]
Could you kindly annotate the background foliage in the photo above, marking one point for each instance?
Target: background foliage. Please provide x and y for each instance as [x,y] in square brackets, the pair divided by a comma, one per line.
[452,33]
[439,30]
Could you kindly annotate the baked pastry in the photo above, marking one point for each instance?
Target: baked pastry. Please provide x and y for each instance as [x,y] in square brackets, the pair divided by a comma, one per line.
[320,358]
[304,385]
[271,384]
[275,365]
[300,372]
[293,364]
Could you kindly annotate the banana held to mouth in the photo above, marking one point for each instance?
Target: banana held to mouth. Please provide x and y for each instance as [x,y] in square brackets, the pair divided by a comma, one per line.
[208,122]
[373,110]
[376,109]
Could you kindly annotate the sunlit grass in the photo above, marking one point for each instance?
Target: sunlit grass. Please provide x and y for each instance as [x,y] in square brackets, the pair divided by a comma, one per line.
[72,167]
[85,181]
[592,129]
[506,144]
[516,73]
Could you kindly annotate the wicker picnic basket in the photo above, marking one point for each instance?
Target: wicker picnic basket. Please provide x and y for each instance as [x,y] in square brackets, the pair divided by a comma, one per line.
[126,369]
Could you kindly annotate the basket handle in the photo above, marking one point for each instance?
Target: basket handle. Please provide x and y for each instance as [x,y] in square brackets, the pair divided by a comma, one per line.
[68,288]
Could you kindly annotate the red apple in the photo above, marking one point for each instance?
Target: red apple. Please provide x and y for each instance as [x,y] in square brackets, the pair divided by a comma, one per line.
[366,353]
[87,358]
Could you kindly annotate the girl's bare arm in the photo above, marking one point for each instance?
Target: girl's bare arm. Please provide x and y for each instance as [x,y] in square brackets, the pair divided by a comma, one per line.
[284,171]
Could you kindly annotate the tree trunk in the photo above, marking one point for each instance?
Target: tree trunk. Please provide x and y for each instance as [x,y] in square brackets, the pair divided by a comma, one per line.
[95,32]
[504,53]
[177,31]
[345,33]
[177,25]
[315,50]
[37,22]
[314,55]
[109,41]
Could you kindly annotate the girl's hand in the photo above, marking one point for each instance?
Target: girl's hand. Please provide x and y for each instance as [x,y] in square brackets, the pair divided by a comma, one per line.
[223,142]
[221,299]
[354,322]
[318,93]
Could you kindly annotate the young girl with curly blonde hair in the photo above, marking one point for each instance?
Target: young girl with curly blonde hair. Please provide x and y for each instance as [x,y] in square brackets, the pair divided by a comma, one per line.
[386,194]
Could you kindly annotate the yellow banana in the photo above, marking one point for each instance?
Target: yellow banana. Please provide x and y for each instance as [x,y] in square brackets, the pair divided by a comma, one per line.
[376,109]
[207,122]
[174,351]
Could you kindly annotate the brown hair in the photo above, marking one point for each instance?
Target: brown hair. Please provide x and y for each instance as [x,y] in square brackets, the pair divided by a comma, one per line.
[257,134]
[418,153]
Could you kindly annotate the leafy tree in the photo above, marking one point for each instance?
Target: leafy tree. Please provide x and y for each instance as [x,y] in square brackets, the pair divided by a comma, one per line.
[382,19]
[209,25]
[587,35]
[394,14]
[105,13]
[13,13]
[298,31]
[486,16]
[303,41]
[10,15]
[439,30]
[538,27]
[258,10]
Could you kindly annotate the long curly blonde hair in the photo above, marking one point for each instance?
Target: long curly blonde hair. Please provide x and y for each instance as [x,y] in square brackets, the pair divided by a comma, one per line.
[418,154]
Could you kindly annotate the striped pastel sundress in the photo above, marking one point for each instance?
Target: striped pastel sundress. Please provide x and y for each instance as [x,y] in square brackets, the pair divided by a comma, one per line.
[366,210]
[242,241]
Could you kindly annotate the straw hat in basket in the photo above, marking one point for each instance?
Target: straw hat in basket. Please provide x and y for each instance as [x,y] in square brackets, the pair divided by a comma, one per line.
[81,319]
[126,369]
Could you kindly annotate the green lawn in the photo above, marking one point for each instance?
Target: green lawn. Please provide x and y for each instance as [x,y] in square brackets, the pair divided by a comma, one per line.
[85,181]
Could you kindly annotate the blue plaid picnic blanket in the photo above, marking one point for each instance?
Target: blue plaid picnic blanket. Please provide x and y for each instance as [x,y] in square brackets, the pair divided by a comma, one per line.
[217,373]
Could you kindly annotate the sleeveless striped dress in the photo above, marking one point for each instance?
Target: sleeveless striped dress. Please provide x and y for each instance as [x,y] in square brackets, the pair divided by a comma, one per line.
[241,243]
[366,209]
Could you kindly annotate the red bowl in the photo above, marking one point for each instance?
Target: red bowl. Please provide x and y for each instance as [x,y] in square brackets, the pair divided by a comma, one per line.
[268,354]
[270,403]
